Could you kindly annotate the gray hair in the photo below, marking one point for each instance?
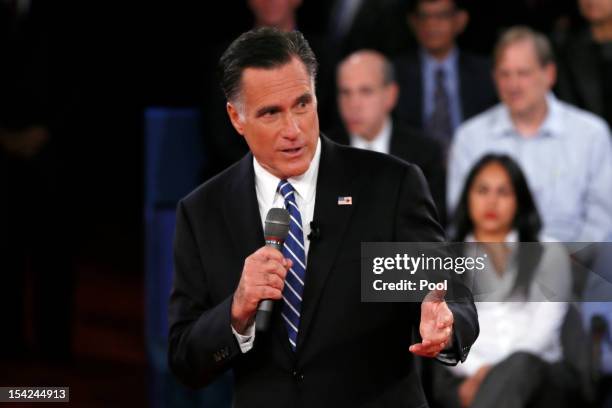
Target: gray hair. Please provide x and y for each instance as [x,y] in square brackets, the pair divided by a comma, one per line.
[266,48]
[517,34]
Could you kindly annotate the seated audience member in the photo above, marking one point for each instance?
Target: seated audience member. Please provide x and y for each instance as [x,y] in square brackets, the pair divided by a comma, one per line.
[564,152]
[585,69]
[367,93]
[442,85]
[517,359]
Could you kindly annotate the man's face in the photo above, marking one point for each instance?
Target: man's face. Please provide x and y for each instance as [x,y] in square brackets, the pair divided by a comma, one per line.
[363,98]
[436,25]
[596,11]
[272,13]
[522,82]
[279,119]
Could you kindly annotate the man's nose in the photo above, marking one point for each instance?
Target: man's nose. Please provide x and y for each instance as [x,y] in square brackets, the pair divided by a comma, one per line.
[291,128]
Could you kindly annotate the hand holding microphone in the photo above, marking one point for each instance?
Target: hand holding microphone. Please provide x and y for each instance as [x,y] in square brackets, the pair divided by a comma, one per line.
[263,276]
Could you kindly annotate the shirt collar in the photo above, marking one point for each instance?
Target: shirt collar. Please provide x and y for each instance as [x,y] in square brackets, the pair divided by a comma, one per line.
[552,125]
[511,237]
[381,142]
[304,185]
[449,63]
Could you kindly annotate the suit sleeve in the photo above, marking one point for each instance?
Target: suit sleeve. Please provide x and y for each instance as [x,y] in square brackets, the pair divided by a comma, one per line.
[201,342]
[416,222]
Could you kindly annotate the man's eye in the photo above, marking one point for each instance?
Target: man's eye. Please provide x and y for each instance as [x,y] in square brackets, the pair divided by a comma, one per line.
[302,106]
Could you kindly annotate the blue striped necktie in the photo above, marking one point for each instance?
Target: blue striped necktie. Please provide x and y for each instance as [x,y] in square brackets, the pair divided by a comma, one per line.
[294,250]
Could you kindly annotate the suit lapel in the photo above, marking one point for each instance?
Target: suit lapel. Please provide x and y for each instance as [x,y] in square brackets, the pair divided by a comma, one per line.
[335,179]
[241,211]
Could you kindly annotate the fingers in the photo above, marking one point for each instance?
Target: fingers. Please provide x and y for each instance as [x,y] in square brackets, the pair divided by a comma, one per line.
[427,348]
[445,320]
[441,334]
[273,267]
[265,268]
[263,277]
[268,292]
[266,252]
[273,281]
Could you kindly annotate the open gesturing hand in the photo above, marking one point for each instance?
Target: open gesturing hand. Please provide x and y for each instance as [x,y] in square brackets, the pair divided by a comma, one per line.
[436,327]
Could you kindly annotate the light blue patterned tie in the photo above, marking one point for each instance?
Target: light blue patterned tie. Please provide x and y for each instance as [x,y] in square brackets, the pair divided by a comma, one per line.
[294,250]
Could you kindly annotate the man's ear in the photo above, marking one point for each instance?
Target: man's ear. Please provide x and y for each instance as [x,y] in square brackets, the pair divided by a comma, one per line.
[461,20]
[551,74]
[235,118]
[392,93]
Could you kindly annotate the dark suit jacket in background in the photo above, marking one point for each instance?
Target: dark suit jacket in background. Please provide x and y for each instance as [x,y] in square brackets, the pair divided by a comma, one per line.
[348,353]
[410,145]
[582,79]
[476,89]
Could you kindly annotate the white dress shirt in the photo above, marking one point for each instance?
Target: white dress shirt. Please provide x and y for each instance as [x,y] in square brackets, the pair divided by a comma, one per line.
[381,143]
[266,184]
[531,326]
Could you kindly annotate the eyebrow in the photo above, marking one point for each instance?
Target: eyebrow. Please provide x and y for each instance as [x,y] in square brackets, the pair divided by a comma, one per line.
[304,98]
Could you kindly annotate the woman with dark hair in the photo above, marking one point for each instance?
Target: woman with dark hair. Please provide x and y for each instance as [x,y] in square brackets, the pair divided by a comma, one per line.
[521,295]
[526,220]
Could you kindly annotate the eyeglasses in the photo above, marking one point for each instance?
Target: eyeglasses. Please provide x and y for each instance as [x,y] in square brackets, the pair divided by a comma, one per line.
[440,15]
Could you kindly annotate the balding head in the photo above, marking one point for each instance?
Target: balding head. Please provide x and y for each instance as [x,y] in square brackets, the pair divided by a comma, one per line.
[371,60]
[367,92]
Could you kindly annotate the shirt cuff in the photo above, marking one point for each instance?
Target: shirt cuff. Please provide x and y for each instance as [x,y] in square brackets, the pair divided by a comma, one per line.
[246,340]
[449,355]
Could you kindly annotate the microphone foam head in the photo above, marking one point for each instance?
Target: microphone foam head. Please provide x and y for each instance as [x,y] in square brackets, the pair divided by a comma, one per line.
[277,223]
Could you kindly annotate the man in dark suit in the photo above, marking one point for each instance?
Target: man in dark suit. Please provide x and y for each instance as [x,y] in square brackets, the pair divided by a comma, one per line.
[367,93]
[585,63]
[442,86]
[324,346]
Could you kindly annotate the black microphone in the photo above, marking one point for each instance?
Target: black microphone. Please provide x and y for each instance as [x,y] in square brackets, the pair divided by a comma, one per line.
[276,230]
[315,232]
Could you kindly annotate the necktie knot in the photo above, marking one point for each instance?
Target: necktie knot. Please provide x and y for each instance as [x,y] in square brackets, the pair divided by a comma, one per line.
[286,190]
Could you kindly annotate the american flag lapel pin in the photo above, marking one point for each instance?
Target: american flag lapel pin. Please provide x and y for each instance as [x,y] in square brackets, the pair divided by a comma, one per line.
[347,200]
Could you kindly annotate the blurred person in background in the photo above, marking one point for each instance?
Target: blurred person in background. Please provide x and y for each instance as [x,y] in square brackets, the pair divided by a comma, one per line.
[517,360]
[367,94]
[488,19]
[564,152]
[280,14]
[585,63]
[370,24]
[36,293]
[443,85]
